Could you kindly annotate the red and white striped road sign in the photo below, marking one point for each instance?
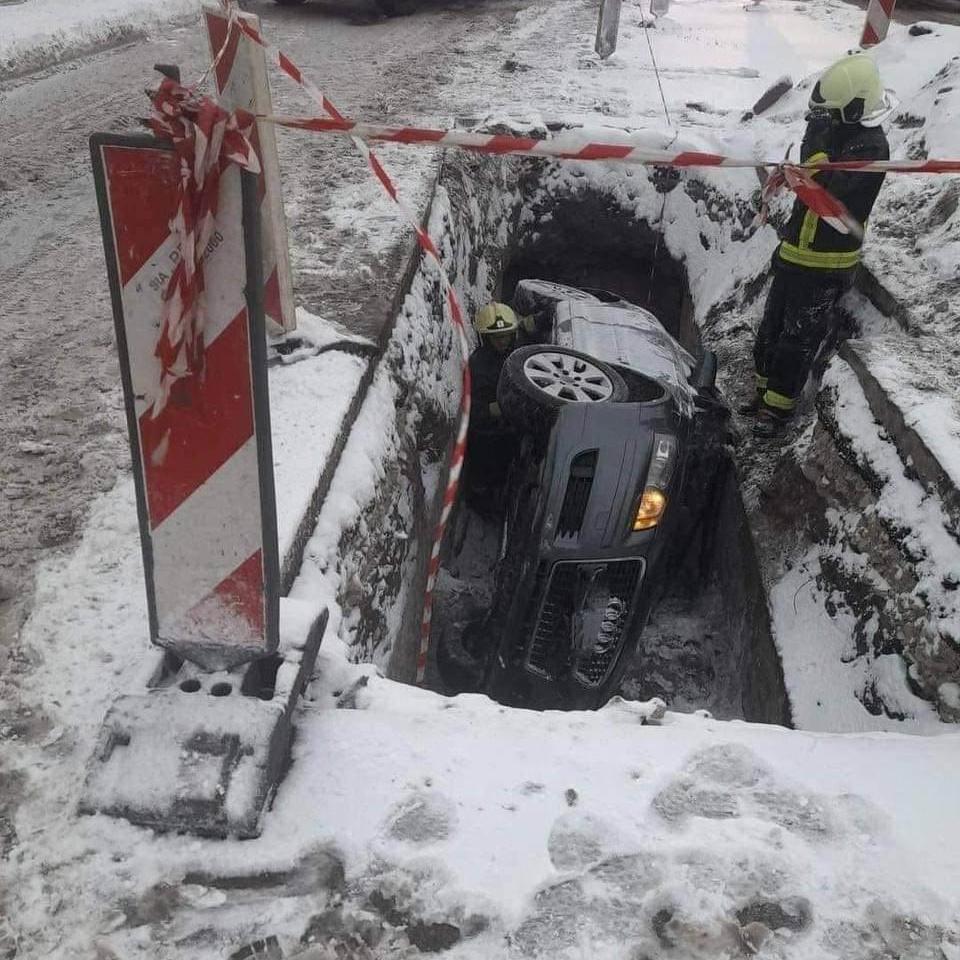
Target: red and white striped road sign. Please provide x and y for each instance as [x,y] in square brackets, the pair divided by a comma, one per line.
[879,14]
[202,461]
[240,73]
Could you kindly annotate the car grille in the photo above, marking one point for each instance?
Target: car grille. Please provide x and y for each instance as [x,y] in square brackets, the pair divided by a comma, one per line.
[579,485]
[549,648]
[552,628]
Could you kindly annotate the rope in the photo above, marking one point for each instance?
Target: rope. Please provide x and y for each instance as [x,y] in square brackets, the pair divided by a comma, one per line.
[653,60]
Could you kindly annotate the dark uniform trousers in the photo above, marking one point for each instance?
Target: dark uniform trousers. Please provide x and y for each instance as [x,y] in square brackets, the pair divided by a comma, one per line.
[799,313]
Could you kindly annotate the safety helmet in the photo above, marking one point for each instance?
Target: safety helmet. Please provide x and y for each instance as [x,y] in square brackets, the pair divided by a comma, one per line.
[851,87]
[495,319]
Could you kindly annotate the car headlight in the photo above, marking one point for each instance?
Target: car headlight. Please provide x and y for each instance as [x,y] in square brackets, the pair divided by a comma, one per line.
[653,502]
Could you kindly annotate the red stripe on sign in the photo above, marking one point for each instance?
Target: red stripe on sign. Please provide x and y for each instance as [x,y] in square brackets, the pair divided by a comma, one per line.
[142,187]
[235,602]
[690,158]
[217,26]
[207,419]
[271,297]
[869,38]
[598,151]
[261,177]
[888,6]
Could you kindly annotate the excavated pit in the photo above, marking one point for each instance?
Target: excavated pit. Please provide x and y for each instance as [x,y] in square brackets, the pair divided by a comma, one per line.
[708,643]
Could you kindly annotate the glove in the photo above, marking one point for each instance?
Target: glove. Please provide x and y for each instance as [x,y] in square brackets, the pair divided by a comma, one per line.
[818,137]
[494,409]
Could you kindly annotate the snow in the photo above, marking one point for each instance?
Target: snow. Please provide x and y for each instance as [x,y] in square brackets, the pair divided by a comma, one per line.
[308,402]
[39,32]
[608,834]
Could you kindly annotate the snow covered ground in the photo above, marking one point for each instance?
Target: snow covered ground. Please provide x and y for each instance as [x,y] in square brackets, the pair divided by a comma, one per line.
[35,33]
[410,821]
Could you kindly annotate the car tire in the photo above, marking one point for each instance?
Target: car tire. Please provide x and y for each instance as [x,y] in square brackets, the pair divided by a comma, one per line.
[565,376]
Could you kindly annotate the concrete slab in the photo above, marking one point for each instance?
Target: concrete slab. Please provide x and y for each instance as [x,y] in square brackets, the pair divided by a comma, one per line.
[920,417]
[203,753]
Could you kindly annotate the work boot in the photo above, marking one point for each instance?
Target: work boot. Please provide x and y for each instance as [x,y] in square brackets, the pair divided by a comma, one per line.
[752,407]
[770,423]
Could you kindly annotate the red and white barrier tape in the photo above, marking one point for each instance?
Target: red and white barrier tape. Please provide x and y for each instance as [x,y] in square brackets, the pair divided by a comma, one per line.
[294,73]
[207,140]
[577,147]
[879,14]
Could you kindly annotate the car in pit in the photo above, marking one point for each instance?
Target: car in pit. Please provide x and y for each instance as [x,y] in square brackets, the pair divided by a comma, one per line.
[620,447]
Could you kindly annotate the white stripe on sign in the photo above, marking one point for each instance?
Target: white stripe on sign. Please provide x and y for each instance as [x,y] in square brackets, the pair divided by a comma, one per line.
[191,554]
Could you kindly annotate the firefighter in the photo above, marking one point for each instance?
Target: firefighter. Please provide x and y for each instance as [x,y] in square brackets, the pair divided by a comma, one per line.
[814,265]
[491,443]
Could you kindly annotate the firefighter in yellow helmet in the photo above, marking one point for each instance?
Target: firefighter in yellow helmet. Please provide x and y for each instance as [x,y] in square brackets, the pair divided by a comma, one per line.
[491,442]
[497,328]
[814,264]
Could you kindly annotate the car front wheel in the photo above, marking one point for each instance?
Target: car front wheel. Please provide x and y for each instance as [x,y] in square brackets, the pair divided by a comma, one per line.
[538,381]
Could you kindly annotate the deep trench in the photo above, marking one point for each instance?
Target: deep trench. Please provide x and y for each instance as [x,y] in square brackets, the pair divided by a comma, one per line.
[708,643]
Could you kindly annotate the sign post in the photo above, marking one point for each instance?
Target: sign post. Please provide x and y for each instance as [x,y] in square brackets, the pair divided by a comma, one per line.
[608,26]
[879,14]
[203,464]
[240,74]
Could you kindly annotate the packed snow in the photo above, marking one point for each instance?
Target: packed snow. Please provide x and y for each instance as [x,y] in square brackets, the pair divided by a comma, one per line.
[411,822]
[36,33]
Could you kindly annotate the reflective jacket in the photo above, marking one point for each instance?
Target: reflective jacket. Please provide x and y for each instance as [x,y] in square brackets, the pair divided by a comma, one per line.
[807,243]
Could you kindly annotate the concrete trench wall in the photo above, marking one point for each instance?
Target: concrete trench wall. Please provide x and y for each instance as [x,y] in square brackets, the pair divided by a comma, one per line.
[489,215]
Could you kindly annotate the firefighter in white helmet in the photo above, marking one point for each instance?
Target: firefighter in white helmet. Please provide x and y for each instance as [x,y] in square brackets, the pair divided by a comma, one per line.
[814,264]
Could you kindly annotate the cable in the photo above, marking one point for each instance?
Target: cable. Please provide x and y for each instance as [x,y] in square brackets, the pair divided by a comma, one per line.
[653,60]
[666,113]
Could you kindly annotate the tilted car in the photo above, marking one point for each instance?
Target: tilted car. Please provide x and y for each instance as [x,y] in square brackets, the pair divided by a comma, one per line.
[621,445]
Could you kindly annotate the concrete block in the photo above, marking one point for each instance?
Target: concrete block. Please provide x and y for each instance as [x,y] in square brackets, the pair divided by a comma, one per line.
[203,753]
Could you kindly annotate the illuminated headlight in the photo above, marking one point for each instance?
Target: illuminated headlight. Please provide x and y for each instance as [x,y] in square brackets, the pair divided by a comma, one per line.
[652,504]
[654,499]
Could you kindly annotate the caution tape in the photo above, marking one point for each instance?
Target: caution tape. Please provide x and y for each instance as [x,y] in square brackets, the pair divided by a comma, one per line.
[207,139]
[287,66]
[573,146]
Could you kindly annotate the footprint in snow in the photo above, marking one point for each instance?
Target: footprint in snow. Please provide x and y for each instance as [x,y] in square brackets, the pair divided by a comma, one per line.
[422,817]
